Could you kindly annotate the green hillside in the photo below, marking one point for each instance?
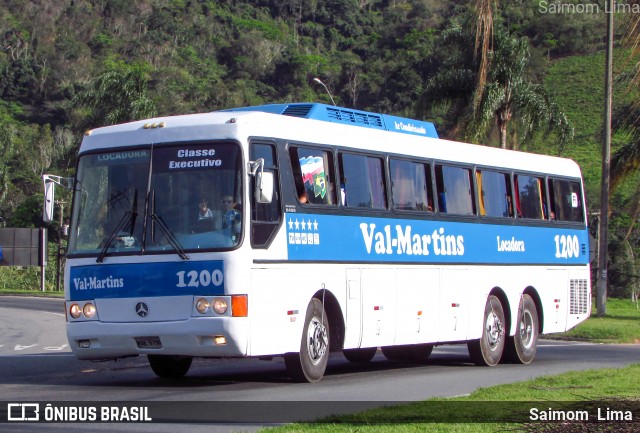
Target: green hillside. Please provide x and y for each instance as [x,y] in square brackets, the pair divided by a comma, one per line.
[170,57]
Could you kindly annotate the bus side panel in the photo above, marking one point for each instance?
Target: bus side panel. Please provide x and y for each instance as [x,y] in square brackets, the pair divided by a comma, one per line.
[457,298]
[579,298]
[378,307]
[353,313]
[279,300]
[418,297]
[553,292]
[273,295]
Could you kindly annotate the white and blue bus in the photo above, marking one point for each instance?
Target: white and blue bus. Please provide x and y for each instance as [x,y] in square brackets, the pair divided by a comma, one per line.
[298,229]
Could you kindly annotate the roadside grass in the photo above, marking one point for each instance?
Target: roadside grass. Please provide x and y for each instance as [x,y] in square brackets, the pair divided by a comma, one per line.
[20,292]
[584,390]
[621,324]
[577,390]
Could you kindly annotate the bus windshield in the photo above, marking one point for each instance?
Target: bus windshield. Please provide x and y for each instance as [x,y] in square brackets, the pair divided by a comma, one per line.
[190,201]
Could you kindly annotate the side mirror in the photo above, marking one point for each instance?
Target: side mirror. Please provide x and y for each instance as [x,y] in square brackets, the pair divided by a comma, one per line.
[264,187]
[49,190]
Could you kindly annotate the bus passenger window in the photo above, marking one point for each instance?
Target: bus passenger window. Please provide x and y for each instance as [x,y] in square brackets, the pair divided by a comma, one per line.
[530,197]
[411,185]
[494,194]
[362,179]
[454,188]
[566,200]
[313,175]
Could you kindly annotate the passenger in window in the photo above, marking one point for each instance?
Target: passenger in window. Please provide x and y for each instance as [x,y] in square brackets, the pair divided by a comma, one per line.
[231,219]
[204,211]
[208,219]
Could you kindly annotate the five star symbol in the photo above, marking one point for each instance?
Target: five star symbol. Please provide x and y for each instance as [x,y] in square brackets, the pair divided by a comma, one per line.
[305,225]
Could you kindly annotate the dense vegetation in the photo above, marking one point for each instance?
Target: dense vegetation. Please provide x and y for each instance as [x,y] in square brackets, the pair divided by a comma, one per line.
[69,65]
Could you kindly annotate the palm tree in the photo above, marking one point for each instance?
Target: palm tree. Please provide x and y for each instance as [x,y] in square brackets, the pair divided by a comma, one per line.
[482,46]
[454,85]
[116,96]
[509,95]
[626,160]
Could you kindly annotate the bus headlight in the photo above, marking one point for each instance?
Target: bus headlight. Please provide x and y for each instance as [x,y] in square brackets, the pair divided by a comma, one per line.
[89,310]
[220,305]
[75,311]
[202,305]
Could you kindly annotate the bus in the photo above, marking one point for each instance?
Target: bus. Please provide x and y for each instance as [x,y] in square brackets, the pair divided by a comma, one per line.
[296,230]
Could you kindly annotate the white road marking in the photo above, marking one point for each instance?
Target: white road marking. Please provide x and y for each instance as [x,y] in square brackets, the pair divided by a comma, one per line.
[54,348]
[55,314]
[21,347]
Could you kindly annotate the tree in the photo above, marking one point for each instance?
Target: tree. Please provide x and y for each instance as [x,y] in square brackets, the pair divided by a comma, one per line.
[509,95]
[508,100]
[626,160]
[453,85]
[116,96]
[482,46]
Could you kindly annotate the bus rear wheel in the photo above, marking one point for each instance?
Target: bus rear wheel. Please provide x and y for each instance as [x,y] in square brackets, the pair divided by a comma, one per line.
[522,347]
[488,350]
[170,366]
[360,356]
[409,352]
[310,363]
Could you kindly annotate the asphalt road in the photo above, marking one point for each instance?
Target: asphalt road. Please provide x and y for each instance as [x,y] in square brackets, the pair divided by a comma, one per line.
[37,365]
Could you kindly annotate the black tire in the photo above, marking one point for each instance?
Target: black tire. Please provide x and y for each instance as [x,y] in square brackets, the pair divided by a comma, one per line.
[408,353]
[395,353]
[487,351]
[310,363]
[421,352]
[170,366]
[360,356]
[522,347]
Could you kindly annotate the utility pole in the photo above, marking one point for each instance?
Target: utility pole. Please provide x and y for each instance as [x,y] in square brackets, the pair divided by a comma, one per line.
[603,229]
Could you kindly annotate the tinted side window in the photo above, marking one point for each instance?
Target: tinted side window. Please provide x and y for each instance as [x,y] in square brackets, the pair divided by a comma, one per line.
[566,200]
[411,185]
[313,175]
[362,181]
[530,197]
[265,217]
[454,188]
[494,194]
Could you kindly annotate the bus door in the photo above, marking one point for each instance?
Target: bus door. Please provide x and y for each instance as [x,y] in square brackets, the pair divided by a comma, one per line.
[353,333]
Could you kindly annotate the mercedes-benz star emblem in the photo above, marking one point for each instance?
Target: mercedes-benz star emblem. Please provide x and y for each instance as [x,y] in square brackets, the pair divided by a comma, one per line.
[142,309]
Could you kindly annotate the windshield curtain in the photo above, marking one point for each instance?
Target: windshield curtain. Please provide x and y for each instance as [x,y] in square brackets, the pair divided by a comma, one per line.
[193,201]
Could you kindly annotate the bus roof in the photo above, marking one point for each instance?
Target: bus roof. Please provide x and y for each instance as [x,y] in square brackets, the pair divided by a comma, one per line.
[271,121]
[348,116]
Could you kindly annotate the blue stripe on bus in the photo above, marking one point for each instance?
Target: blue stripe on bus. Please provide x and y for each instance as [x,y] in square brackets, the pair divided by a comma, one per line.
[146,279]
[351,238]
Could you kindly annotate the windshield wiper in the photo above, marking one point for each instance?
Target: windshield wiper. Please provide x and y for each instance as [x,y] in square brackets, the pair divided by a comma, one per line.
[173,241]
[128,217]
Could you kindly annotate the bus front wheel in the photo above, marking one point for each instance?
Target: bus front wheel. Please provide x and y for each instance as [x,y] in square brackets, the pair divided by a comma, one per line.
[310,363]
[487,351]
[521,348]
[169,366]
